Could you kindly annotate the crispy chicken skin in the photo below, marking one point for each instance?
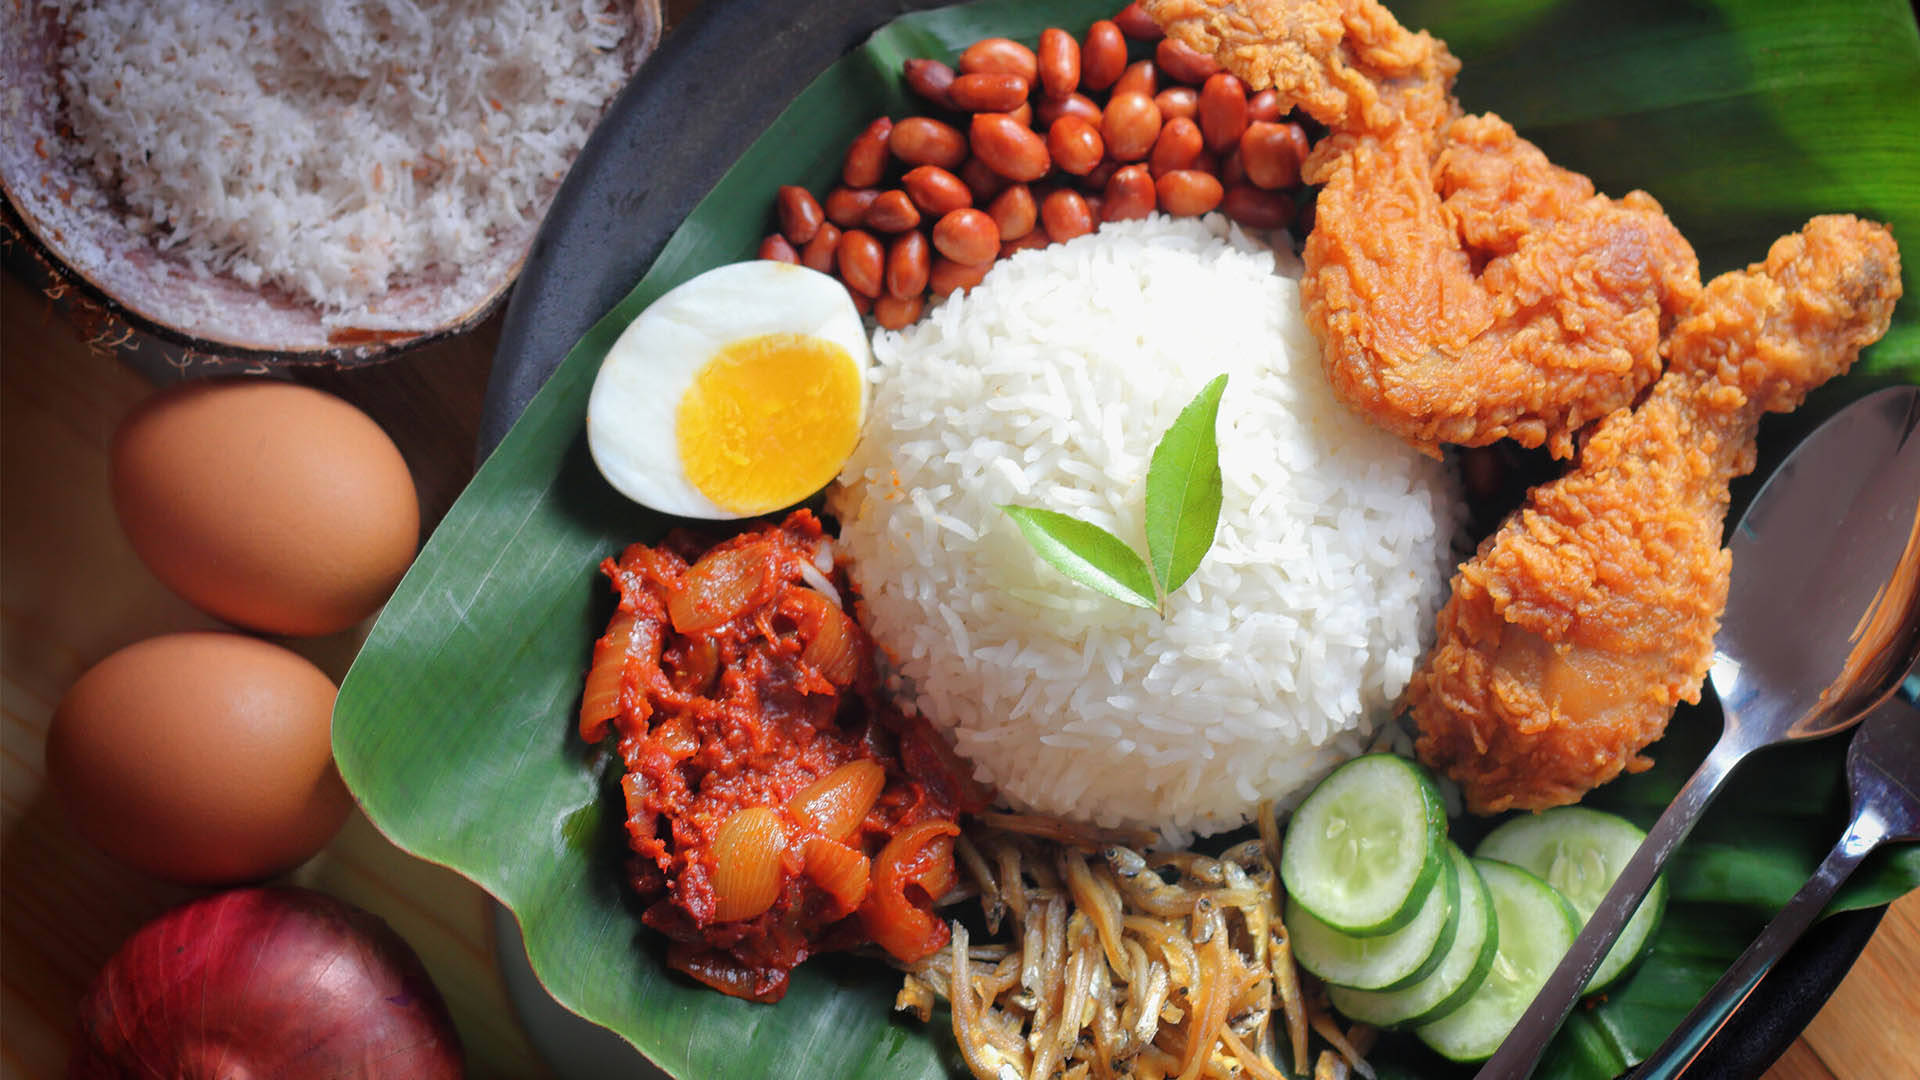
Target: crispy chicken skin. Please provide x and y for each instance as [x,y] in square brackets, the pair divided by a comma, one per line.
[1481,292]
[1347,63]
[1463,288]
[1590,614]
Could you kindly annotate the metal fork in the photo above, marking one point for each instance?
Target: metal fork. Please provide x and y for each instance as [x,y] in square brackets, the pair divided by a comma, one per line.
[1883,773]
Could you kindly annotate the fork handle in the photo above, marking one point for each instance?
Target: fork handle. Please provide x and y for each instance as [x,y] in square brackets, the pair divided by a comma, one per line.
[1699,1027]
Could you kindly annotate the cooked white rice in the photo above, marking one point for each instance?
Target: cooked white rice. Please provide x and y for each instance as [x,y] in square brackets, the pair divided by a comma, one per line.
[336,147]
[1049,385]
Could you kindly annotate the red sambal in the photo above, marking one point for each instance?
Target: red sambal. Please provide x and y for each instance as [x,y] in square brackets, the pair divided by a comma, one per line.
[777,804]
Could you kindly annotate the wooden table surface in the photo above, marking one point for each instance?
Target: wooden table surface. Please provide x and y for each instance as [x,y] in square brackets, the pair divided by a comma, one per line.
[72,591]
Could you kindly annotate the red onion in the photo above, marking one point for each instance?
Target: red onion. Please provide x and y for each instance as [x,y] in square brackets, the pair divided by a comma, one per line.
[265,984]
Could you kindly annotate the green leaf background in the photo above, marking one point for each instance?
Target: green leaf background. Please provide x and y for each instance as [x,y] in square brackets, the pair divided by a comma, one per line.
[455,726]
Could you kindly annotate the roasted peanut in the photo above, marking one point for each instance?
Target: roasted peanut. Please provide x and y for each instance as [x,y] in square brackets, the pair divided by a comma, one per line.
[981,180]
[949,276]
[1178,147]
[862,303]
[1035,238]
[967,236]
[1059,58]
[1023,115]
[1096,179]
[899,312]
[988,92]
[1297,138]
[931,79]
[1232,171]
[935,190]
[1271,154]
[1095,204]
[866,160]
[1223,111]
[1051,109]
[892,212]
[862,262]
[1178,101]
[1188,192]
[1075,145]
[1140,77]
[1134,22]
[1257,209]
[776,248]
[1264,105]
[1184,63]
[800,213]
[1000,56]
[1130,194]
[922,140]
[1103,57]
[1014,212]
[1008,147]
[847,207]
[909,260]
[1064,215]
[820,251]
[1130,125]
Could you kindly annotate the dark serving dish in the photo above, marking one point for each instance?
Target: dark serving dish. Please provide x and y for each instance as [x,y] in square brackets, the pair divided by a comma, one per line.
[617,209]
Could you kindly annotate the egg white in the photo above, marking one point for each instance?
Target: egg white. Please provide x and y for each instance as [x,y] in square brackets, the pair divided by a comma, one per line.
[631,413]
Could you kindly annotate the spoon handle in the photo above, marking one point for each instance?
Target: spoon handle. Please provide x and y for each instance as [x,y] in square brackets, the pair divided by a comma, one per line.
[1521,1051]
[1713,1011]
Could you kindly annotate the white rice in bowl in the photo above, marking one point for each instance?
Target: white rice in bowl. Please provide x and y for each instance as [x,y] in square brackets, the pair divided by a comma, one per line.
[1048,385]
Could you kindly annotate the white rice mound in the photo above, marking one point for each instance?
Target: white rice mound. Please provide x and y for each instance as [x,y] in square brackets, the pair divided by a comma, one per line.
[1048,385]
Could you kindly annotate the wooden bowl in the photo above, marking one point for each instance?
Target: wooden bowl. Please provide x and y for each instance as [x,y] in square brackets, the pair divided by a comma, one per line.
[63,209]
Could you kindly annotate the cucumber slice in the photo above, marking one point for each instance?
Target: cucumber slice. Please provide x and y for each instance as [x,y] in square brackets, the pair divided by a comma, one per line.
[1536,927]
[1366,845]
[1384,961]
[1580,851]
[1460,972]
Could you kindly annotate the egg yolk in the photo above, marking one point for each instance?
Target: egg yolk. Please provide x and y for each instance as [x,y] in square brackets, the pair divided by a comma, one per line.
[768,421]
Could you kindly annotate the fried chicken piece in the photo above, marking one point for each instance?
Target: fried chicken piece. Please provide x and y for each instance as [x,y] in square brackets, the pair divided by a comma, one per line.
[1483,293]
[1579,625]
[1463,288]
[1347,63]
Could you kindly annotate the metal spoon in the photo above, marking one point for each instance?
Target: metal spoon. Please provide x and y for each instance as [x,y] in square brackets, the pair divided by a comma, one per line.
[1822,619]
[1883,774]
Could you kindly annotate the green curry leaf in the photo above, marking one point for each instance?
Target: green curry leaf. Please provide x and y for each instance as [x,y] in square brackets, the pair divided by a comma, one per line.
[1182,516]
[1086,553]
[1184,490]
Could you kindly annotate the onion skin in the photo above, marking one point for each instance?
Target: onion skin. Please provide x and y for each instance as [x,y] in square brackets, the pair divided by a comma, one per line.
[265,984]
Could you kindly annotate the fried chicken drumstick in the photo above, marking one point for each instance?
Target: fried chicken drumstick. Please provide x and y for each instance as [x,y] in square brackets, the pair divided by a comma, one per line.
[1590,614]
[1463,288]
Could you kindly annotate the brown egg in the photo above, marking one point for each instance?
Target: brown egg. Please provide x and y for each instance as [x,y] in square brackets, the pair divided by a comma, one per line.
[270,505]
[205,758]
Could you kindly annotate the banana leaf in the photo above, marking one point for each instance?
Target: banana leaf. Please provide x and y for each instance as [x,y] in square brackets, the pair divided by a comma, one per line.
[455,726]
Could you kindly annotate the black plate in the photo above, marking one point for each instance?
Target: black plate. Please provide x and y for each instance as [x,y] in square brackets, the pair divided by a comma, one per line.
[664,143]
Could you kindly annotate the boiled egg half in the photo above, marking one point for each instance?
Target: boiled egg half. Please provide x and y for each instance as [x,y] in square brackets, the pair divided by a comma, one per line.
[738,393]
